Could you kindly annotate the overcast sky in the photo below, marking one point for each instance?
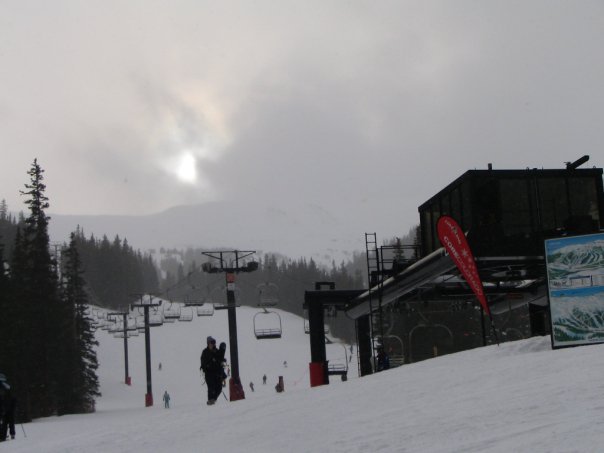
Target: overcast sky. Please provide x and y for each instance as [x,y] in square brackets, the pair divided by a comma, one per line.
[132,107]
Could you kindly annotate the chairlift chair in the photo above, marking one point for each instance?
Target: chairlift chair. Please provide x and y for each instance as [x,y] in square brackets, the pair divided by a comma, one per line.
[172,312]
[155,319]
[268,294]
[139,322]
[339,369]
[186,314]
[395,354]
[306,322]
[307,327]
[131,324]
[225,306]
[206,309]
[273,331]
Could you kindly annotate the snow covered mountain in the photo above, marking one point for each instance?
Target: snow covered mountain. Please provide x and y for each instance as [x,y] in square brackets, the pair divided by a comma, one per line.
[307,230]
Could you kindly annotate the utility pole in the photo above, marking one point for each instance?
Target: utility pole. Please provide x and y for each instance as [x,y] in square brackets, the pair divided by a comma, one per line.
[146,305]
[231,267]
[124,314]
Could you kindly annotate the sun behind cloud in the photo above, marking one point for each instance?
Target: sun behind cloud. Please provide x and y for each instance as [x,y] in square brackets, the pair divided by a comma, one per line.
[187,168]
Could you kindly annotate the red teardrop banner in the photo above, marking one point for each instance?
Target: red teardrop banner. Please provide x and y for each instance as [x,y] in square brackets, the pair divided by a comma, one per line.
[454,241]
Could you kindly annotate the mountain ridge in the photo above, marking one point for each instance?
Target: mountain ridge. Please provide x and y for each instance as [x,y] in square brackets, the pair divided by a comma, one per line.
[307,230]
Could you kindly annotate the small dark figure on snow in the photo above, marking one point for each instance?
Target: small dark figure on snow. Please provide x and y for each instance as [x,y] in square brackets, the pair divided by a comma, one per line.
[264,380]
[166,400]
[211,364]
[280,385]
[159,366]
[252,386]
[383,361]
[8,403]
[285,363]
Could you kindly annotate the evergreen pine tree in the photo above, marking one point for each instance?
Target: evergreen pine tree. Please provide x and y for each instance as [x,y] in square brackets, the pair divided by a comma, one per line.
[84,381]
[38,287]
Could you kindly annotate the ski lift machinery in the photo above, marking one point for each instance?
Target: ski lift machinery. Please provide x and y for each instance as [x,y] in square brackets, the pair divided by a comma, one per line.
[267,323]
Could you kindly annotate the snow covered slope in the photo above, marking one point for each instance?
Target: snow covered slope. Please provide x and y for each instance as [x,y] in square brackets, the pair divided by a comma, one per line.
[520,397]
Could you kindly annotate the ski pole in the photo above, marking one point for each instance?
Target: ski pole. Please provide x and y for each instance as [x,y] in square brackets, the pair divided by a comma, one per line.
[24,435]
[225,397]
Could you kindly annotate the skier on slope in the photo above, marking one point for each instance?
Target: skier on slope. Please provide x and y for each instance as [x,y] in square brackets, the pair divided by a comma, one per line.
[211,365]
[166,399]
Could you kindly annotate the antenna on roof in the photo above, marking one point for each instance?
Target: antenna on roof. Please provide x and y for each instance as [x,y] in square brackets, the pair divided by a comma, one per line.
[577,163]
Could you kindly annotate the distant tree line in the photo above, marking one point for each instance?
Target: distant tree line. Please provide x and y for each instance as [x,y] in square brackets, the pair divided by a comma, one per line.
[114,272]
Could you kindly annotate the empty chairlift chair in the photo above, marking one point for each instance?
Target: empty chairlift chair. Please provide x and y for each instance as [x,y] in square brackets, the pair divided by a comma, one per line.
[131,324]
[339,365]
[267,324]
[268,294]
[172,312]
[140,323]
[307,324]
[207,309]
[156,318]
[186,314]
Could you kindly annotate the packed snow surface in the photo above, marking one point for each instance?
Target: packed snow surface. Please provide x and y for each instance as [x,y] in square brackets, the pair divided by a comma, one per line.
[516,397]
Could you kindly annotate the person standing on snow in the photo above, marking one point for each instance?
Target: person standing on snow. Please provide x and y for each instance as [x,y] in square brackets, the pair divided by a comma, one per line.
[211,365]
[166,400]
[7,410]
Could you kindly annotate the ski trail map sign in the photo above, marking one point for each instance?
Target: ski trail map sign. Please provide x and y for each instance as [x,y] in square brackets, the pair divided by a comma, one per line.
[575,278]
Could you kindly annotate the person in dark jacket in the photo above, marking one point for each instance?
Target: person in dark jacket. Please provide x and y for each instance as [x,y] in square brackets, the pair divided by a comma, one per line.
[211,365]
[8,404]
[383,360]
[166,399]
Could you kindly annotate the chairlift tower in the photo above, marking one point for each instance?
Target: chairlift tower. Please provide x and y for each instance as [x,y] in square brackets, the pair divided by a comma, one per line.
[146,305]
[231,262]
[124,315]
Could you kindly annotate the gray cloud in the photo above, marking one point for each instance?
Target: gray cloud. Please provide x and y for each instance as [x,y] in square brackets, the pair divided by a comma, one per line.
[362,107]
